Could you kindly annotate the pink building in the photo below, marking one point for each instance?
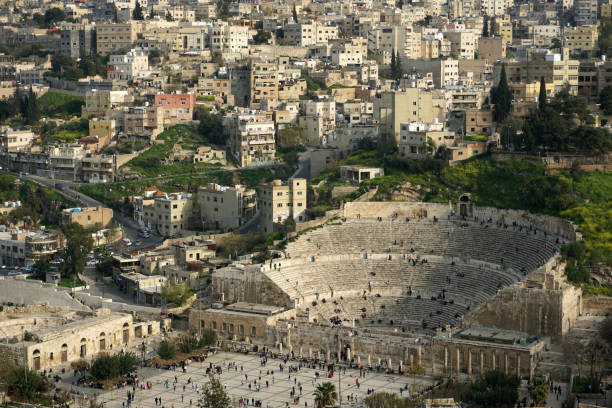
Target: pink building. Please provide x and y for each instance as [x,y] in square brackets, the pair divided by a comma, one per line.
[176,107]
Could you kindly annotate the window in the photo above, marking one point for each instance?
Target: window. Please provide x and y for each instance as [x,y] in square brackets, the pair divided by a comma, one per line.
[214,325]
[253,331]
[224,327]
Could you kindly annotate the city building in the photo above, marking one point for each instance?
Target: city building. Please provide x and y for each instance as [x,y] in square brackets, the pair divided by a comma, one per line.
[114,37]
[251,138]
[11,139]
[280,201]
[129,66]
[170,214]
[176,107]
[226,208]
[88,217]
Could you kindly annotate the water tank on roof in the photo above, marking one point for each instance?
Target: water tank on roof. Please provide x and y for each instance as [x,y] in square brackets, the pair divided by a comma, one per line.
[74,210]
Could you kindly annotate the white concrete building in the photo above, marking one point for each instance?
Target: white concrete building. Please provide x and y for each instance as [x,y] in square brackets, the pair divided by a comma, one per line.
[128,66]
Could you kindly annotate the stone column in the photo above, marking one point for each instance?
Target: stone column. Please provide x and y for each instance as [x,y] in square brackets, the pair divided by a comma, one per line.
[505,362]
[518,364]
[309,352]
[419,355]
[412,361]
[469,362]
[493,360]
[280,347]
[445,358]
[481,362]
[457,368]
[328,355]
[369,360]
[348,355]
[359,360]
[530,368]
[301,353]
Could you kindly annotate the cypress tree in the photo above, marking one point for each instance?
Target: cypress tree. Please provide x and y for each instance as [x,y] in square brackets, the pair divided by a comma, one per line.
[542,96]
[137,13]
[501,97]
[485,27]
[31,112]
[295,16]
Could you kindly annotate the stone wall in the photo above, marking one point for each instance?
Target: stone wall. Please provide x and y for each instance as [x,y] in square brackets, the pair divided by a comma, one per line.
[538,312]
[599,305]
[402,209]
[279,51]
[248,285]
[28,292]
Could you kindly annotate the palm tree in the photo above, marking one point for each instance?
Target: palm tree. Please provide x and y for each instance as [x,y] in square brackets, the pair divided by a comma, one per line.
[325,395]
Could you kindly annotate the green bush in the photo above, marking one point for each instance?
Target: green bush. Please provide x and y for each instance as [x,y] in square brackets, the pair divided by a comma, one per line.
[106,366]
[586,384]
[166,350]
[22,383]
[55,104]
[187,343]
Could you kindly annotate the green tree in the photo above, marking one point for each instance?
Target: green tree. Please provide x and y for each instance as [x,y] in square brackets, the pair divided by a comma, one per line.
[106,366]
[78,244]
[22,383]
[214,395]
[208,338]
[325,395]
[262,37]
[52,16]
[501,97]
[32,112]
[605,100]
[538,389]
[166,350]
[495,389]
[605,330]
[542,98]
[41,268]
[211,128]
[176,293]
[295,14]
[555,44]
[187,343]
[485,27]
[137,12]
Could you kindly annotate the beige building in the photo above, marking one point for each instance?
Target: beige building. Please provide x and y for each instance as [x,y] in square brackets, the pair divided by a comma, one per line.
[88,217]
[478,122]
[102,103]
[11,140]
[103,130]
[555,68]
[207,154]
[170,214]
[263,77]
[463,43]
[114,37]
[142,121]
[581,39]
[415,139]
[61,337]
[413,105]
[240,321]
[491,49]
[280,201]
[304,35]
[251,138]
[226,208]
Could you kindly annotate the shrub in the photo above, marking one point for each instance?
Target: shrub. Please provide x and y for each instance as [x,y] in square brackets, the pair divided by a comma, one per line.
[166,350]
[22,383]
[106,366]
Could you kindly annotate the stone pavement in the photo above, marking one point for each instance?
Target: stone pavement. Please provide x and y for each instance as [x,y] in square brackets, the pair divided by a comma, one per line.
[277,394]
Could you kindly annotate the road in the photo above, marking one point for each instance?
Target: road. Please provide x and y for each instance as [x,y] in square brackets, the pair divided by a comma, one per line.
[131,229]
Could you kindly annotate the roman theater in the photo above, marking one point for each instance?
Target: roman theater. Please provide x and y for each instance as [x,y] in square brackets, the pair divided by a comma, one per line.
[406,287]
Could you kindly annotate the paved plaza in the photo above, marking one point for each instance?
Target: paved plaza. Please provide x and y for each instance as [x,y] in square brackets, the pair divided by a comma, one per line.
[276,394]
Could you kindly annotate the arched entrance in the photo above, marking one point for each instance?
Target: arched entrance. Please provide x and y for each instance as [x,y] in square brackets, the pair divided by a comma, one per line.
[36,359]
[83,348]
[102,341]
[64,353]
[126,333]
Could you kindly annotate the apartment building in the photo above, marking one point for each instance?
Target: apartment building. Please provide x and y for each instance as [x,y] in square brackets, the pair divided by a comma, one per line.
[229,38]
[307,34]
[176,107]
[416,137]
[581,39]
[170,213]
[98,168]
[65,161]
[88,217]
[77,40]
[391,109]
[114,37]
[142,121]
[494,8]
[463,43]
[11,139]
[207,154]
[585,12]
[557,69]
[353,52]
[101,132]
[280,201]
[263,81]
[127,67]
[24,248]
[251,138]
[226,208]
[103,103]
